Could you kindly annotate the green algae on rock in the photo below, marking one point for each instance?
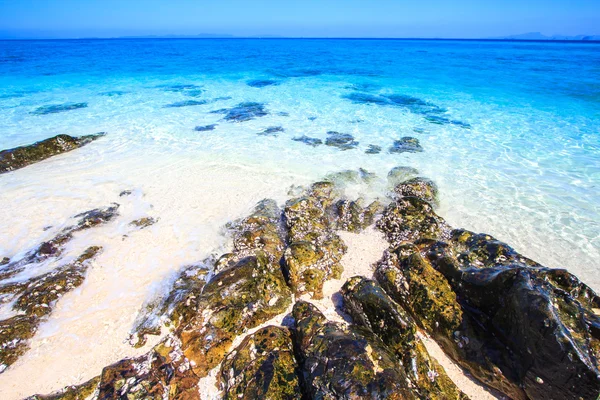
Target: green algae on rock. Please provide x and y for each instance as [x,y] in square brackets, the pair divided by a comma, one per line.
[263,366]
[20,157]
[344,362]
[423,188]
[372,308]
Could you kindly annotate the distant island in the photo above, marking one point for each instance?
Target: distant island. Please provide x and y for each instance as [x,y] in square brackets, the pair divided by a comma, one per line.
[540,36]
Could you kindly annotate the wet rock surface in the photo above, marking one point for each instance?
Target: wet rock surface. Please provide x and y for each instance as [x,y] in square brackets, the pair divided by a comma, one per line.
[400,174]
[243,112]
[261,83]
[187,103]
[263,366]
[423,188]
[23,156]
[373,149]
[205,128]
[314,142]
[57,108]
[272,131]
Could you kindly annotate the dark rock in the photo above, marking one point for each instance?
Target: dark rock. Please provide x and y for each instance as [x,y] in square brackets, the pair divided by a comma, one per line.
[341,362]
[4,261]
[283,114]
[400,174]
[205,128]
[113,93]
[342,141]
[373,149]
[260,83]
[352,217]
[20,157]
[125,193]
[364,98]
[364,87]
[186,103]
[263,366]
[272,131]
[423,188]
[406,144]
[314,142]
[439,120]
[56,108]
[372,308]
[312,118]
[243,112]
[179,87]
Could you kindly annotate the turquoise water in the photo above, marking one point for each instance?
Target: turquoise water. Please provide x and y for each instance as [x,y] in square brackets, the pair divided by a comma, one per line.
[510,131]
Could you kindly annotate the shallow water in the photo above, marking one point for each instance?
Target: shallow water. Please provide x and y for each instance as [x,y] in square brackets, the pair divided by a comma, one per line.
[509,131]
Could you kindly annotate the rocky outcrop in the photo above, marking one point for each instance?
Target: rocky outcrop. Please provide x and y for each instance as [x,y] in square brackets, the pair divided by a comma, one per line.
[423,188]
[344,362]
[20,157]
[373,309]
[263,366]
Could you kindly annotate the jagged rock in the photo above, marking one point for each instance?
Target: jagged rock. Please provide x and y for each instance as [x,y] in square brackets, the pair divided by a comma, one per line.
[344,362]
[125,193]
[423,188]
[352,217]
[56,108]
[35,300]
[20,157]
[373,149]
[410,219]
[314,142]
[236,299]
[263,366]
[343,141]
[4,261]
[406,145]
[372,308]
[400,174]
[315,250]
[143,222]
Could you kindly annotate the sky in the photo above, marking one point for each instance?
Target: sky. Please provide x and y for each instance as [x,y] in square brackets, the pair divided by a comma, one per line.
[306,18]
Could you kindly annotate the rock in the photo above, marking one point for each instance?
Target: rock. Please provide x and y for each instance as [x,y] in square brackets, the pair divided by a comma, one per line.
[409,219]
[373,309]
[56,108]
[34,300]
[342,141]
[315,250]
[4,261]
[342,362]
[236,299]
[243,112]
[261,83]
[125,193]
[205,128]
[186,103]
[79,392]
[20,157]
[373,149]
[439,120]
[272,131]
[423,188]
[113,93]
[352,217]
[283,114]
[314,142]
[400,174]
[179,87]
[406,145]
[143,222]
[263,366]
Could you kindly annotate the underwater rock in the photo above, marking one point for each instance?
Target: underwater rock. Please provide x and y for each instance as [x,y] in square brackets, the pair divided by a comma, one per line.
[263,366]
[409,219]
[143,222]
[406,145]
[186,103]
[439,120]
[423,188]
[56,108]
[343,141]
[34,300]
[344,362]
[113,93]
[400,174]
[238,298]
[243,112]
[314,142]
[373,149]
[205,128]
[315,250]
[23,156]
[261,83]
[271,131]
[178,87]
[283,114]
[373,309]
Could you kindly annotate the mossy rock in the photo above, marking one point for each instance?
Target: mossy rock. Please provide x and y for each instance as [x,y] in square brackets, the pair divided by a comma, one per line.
[423,188]
[78,392]
[352,217]
[372,308]
[20,157]
[263,366]
[340,362]
[15,333]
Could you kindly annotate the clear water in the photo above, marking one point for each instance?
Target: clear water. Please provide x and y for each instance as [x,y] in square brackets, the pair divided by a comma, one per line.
[525,169]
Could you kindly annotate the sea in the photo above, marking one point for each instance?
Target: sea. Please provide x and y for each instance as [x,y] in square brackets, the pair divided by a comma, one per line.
[201,129]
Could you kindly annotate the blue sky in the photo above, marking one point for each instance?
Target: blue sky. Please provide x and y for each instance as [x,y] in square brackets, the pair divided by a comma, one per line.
[307,18]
